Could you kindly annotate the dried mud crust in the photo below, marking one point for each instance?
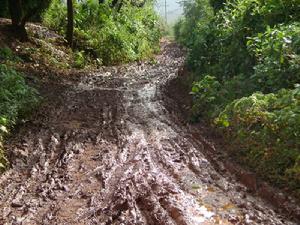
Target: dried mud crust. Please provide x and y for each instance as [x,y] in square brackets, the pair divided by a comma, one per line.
[105,150]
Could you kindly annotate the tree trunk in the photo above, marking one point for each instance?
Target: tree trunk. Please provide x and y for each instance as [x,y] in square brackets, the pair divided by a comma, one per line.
[70,25]
[15,9]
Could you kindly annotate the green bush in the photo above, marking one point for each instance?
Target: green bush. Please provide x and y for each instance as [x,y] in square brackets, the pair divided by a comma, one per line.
[266,129]
[252,49]
[105,33]
[55,17]
[210,96]
[6,54]
[277,52]
[206,97]
[192,29]
[79,60]
[16,101]
[218,42]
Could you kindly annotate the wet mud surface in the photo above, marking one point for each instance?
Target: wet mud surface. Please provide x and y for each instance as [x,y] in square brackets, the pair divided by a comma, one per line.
[106,150]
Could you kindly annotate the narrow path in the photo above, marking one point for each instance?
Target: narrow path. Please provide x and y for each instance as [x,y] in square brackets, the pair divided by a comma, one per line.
[106,151]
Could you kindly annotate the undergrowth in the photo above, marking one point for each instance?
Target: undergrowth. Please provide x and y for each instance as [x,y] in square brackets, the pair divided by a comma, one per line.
[246,56]
[106,34]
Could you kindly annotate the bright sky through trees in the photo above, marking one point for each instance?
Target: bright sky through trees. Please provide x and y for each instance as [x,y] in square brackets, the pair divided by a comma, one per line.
[174,9]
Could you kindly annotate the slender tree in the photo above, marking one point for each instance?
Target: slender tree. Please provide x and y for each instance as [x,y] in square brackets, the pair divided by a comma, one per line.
[16,13]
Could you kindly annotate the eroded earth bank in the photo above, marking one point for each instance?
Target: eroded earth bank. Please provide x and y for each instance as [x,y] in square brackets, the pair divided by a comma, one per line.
[104,149]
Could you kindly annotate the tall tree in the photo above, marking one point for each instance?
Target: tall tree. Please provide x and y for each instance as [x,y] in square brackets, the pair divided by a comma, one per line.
[16,13]
[70,25]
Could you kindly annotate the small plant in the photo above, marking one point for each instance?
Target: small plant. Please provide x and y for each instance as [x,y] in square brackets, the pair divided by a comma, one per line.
[79,60]
[205,96]
[6,54]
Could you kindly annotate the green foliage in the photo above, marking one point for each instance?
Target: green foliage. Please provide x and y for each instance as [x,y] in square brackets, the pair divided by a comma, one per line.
[55,16]
[206,96]
[191,30]
[16,100]
[215,41]
[277,52]
[266,127]
[6,54]
[210,96]
[252,49]
[79,60]
[104,33]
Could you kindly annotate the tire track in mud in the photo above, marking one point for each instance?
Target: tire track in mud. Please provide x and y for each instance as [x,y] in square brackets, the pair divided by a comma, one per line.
[105,150]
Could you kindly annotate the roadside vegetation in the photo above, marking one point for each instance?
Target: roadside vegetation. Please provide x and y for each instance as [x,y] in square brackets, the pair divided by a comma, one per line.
[17,99]
[245,56]
[111,35]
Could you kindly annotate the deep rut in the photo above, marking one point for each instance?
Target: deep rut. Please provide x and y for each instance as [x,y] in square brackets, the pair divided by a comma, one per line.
[105,150]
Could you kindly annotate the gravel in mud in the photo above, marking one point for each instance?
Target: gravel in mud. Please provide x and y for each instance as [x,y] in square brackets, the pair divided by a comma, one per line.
[105,150]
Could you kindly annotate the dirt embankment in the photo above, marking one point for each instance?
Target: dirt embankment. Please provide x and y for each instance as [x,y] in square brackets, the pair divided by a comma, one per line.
[105,149]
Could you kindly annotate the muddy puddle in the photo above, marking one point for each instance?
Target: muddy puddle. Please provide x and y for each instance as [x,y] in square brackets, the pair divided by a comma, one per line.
[105,150]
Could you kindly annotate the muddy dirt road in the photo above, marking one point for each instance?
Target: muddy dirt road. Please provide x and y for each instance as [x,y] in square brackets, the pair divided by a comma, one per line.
[105,150]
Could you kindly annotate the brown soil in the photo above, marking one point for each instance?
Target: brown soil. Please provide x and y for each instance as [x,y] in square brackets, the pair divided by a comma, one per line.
[105,149]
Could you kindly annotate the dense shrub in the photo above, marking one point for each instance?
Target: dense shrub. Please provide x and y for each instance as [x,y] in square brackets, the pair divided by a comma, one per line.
[277,52]
[6,54]
[206,96]
[266,128]
[218,43]
[110,35]
[16,100]
[191,30]
[210,96]
[251,51]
